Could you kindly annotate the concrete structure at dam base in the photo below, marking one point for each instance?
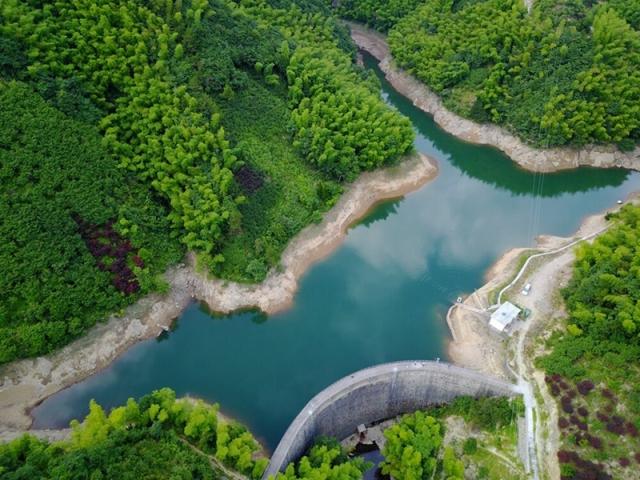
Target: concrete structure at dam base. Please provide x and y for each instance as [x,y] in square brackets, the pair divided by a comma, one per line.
[378,393]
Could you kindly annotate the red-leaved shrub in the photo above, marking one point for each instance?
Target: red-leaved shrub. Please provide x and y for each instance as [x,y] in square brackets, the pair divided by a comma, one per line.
[585,386]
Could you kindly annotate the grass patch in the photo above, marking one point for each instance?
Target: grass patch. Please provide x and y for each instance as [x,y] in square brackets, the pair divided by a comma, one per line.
[492,425]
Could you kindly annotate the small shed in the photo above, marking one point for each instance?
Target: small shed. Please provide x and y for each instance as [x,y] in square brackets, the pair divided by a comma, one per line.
[503,316]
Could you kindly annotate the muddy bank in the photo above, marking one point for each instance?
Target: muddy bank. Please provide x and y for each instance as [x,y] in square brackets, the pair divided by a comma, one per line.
[546,160]
[26,383]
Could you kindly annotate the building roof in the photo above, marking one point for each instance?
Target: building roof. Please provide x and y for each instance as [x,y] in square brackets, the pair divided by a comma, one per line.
[503,316]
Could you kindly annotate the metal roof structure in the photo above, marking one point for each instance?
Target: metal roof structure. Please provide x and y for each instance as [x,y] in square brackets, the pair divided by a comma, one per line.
[503,316]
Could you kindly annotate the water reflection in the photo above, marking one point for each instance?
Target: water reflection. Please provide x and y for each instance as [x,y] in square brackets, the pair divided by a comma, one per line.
[380,212]
[379,298]
[490,165]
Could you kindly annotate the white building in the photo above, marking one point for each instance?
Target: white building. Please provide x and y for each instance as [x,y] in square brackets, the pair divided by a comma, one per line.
[503,316]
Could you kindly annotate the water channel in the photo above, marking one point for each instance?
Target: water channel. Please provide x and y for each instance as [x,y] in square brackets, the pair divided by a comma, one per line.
[382,296]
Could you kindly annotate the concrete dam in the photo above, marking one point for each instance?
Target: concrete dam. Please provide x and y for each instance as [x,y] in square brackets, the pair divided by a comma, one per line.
[378,393]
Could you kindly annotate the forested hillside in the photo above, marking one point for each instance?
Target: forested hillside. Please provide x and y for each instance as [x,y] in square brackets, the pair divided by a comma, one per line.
[65,262]
[156,437]
[134,131]
[567,73]
[593,367]
[379,14]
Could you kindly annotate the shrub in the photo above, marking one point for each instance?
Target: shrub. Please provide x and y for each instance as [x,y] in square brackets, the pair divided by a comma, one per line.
[470,446]
[595,442]
[585,386]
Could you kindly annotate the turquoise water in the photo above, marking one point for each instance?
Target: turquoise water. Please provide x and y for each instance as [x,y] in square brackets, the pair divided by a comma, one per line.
[382,296]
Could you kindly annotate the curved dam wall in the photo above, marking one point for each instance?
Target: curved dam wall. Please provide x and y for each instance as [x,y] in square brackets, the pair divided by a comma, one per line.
[378,393]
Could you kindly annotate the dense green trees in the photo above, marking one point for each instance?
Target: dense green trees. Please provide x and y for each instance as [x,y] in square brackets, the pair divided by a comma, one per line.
[156,437]
[593,366]
[125,454]
[341,124]
[381,15]
[325,460]
[602,300]
[452,467]
[241,62]
[602,104]
[412,447]
[154,128]
[52,170]
[603,296]
[190,97]
[125,62]
[565,73]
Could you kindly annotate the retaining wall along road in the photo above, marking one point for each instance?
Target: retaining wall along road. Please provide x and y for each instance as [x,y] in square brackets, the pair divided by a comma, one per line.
[378,393]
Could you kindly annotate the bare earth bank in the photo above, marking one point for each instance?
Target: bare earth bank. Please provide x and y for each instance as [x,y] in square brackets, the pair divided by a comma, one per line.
[26,383]
[476,345]
[531,158]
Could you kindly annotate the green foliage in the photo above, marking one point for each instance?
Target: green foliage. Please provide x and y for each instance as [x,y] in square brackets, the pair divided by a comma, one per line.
[52,168]
[379,14]
[484,413]
[628,10]
[13,58]
[602,300]
[602,104]
[153,76]
[412,447]
[153,128]
[566,73]
[233,50]
[470,446]
[603,296]
[325,460]
[341,125]
[157,437]
[452,467]
[601,344]
[167,84]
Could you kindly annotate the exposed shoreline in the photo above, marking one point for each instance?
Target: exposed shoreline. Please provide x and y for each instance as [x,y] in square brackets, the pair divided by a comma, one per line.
[475,345]
[547,160]
[26,383]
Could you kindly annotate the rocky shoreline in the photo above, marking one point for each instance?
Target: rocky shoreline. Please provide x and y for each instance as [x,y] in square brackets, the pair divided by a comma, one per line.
[26,383]
[547,160]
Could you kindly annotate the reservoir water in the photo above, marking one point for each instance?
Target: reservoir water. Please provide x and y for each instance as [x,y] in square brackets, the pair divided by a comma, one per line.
[382,296]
